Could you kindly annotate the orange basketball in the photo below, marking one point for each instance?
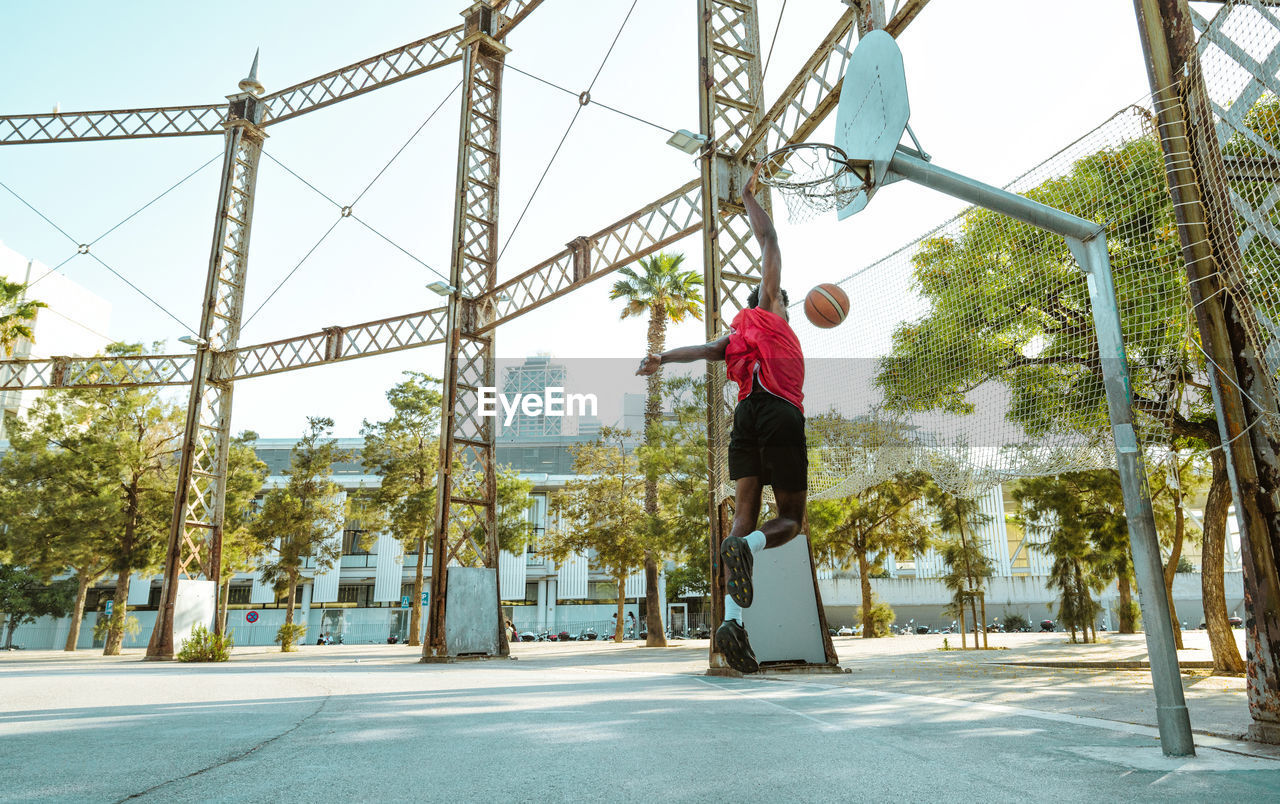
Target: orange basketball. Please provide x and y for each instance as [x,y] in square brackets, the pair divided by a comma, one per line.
[826,306]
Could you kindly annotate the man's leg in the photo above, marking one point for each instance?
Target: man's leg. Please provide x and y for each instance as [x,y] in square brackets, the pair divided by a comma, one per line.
[784,527]
[736,559]
[735,555]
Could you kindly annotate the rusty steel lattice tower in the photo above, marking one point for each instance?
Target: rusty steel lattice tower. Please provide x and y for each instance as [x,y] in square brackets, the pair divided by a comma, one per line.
[195,532]
[734,116]
[467,440]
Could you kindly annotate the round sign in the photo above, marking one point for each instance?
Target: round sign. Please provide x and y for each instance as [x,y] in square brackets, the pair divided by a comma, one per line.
[251,617]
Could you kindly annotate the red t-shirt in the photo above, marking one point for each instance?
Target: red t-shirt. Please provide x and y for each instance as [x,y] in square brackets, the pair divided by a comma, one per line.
[762,344]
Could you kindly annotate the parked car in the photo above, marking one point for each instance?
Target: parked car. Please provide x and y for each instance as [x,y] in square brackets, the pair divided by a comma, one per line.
[1046,625]
[845,630]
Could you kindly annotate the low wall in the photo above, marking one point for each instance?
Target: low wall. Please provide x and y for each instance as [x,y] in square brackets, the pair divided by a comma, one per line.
[923,599]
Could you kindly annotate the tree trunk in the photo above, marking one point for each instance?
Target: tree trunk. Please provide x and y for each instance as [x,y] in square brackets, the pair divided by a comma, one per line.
[963,627]
[622,602]
[1126,603]
[653,611]
[83,582]
[119,613]
[655,638]
[14,620]
[868,599]
[224,599]
[293,593]
[983,602]
[415,619]
[1175,555]
[968,574]
[1226,654]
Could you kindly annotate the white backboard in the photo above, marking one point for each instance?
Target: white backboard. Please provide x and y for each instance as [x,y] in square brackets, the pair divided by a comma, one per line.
[873,111]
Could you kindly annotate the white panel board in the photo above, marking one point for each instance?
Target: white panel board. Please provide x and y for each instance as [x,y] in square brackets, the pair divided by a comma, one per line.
[139,590]
[260,592]
[389,576]
[635,585]
[783,619]
[511,575]
[994,536]
[193,605]
[325,588]
[471,619]
[572,578]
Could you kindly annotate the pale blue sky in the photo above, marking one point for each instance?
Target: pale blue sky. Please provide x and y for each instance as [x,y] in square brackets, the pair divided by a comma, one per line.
[996,86]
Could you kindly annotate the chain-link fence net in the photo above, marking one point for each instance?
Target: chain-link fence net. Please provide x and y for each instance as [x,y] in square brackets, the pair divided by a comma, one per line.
[970,353]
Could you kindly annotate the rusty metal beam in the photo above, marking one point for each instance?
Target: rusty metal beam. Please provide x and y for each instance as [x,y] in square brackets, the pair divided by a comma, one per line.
[415,58]
[645,231]
[163,121]
[375,72]
[95,372]
[338,344]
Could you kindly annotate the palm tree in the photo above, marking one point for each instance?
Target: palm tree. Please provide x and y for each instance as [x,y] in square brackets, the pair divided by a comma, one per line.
[16,314]
[666,293]
[969,566]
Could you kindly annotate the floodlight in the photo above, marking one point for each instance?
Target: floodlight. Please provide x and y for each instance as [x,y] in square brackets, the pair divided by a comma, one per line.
[193,340]
[687,141]
[441,287]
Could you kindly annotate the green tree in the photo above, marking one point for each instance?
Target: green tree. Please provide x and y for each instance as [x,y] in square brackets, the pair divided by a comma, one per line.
[676,454]
[17,314]
[132,437]
[100,461]
[863,530]
[297,521]
[968,567]
[56,511]
[404,450]
[601,511]
[1183,478]
[1077,512]
[666,293]
[240,549]
[25,597]
[1007,304]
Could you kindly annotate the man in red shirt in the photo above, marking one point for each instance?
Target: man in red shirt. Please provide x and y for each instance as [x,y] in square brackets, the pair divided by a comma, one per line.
[767,446]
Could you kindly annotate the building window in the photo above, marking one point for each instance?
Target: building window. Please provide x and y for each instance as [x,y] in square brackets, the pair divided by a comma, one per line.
[602,590]
[238,596]
[354,594]
[355,542]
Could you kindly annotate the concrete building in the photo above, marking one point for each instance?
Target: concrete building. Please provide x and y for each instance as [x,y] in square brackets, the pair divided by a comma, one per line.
[74,324]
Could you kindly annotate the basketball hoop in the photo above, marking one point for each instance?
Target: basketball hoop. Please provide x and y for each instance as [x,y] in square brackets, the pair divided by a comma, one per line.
[812,177]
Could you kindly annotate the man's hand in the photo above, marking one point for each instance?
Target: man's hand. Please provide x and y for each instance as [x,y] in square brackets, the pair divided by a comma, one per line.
[649,364]
[753,182]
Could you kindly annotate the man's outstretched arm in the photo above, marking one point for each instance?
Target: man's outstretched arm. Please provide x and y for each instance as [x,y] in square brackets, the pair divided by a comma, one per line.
[767,237]
[684,354]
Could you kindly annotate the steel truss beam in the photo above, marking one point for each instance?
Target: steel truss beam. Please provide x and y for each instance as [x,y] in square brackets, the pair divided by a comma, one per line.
[467,437]
[587,258]
[415,58]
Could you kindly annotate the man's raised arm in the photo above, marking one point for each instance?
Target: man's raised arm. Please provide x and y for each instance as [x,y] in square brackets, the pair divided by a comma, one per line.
[767,237]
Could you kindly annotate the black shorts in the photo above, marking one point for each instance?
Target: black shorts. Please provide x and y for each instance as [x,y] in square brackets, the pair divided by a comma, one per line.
[768,442]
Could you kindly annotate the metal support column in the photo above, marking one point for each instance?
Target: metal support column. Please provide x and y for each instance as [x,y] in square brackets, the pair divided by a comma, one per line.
[467,437]
[195,533]
[1088,244]
[1197,184]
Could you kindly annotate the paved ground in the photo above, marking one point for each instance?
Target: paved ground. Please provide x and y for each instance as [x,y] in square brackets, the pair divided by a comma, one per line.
[589,721]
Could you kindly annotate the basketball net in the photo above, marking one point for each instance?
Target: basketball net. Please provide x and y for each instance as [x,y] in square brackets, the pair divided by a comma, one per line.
[812,178]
